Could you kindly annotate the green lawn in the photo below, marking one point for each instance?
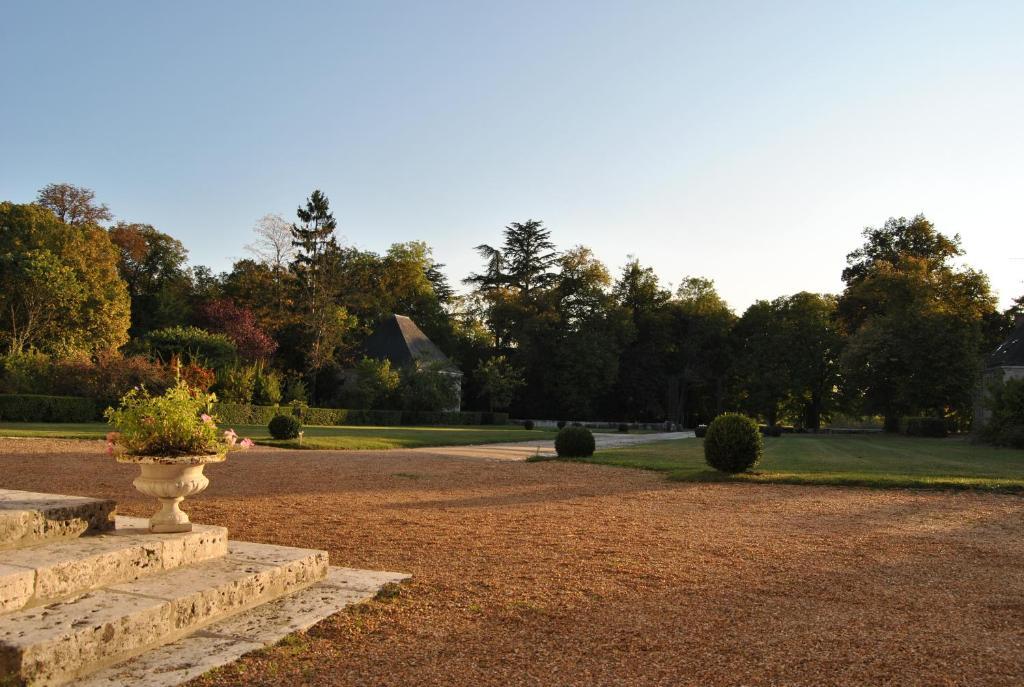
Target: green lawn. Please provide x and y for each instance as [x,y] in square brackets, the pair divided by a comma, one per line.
[315,437]
[861,460]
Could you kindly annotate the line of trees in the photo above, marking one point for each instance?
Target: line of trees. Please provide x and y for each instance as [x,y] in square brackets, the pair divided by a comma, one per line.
[542,331]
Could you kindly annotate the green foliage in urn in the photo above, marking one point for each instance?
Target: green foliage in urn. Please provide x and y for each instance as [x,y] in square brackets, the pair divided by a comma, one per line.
[173,424]
[733,443]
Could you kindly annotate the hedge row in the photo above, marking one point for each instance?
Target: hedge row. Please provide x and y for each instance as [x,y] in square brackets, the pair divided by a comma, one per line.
[35,408]
[244,414]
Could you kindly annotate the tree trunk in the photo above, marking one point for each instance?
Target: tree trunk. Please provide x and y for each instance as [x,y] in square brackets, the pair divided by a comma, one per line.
[812,413]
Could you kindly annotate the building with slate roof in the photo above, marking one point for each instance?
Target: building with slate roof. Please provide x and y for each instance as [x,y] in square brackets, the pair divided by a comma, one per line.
[1006,362]
[398,339]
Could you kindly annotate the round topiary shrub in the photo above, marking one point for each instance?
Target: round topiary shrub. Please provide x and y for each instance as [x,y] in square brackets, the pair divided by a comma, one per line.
[284,427]
[528,424]
[623,428]
[561,424]
[574,442]
[733,443]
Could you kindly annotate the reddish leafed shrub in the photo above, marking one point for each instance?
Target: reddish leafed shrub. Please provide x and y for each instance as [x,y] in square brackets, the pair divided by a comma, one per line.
[238,324]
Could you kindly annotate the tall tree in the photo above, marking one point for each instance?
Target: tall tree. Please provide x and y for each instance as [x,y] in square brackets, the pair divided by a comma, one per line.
[700,352]
[787,358]
[274,244]
[60,291]
[73,205]
[154,265]
[515,279]
[760,368]
[814,344]
[584,333]
[641,391]
[915,322]
[525,261]
[317,266]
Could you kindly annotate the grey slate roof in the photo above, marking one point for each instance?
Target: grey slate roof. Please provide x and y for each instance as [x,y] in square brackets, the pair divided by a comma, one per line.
[398,339]
[1010,353]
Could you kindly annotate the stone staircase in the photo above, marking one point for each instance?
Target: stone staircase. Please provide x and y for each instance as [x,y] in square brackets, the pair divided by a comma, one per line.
[90,598]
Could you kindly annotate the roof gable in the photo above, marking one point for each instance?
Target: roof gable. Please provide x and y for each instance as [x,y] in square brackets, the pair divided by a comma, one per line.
[398,339]
[1010,353]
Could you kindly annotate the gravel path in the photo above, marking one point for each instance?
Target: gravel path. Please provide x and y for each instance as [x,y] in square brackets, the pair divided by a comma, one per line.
[565,574]
[521,450]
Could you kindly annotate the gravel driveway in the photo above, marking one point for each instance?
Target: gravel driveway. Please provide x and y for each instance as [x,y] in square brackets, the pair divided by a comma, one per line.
[554,573]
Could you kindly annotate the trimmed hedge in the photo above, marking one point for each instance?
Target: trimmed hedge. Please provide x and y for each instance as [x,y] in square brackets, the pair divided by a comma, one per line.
[245,414]
[733,443]
[935,427]
[284,426]
[36,408]
[574,442]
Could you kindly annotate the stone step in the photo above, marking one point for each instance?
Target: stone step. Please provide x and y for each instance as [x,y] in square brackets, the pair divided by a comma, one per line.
[228,640]
[28,518]
[48,572]
[58,643]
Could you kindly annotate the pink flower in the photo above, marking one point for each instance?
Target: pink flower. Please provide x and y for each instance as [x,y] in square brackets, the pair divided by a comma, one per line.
[247,443]
[230,437]
[206,418]
[110,449]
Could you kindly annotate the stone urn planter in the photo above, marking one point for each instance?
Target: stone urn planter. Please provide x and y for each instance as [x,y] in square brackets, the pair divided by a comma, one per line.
[171,479]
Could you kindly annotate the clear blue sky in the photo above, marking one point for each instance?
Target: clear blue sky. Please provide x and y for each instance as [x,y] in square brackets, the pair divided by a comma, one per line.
[747,142]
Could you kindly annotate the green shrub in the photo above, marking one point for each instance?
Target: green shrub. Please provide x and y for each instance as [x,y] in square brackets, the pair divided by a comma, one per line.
[574,442]
[192,344]
[36,408]
[26,373]
[376,384]
[266,387]
[733,443]
[623,428]
[935,427]
[236,384]
[429,388]
[528,424]
[561,423]
[700,431]
[772,431]
[492,418]
[284,426]
[295,389]
[1006,425]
